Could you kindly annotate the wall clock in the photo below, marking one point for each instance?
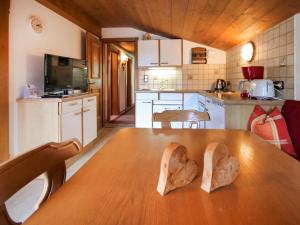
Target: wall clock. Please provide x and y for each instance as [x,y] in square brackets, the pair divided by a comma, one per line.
[36,24]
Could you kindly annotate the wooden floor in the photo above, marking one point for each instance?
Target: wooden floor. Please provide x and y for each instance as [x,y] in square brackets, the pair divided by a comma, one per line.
[127,118]
[22,204]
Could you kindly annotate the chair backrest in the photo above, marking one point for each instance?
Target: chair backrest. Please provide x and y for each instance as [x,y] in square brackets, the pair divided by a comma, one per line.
[192,116]
[16,173]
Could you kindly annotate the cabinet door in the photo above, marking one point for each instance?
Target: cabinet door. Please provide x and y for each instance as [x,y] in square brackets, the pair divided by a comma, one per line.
[89,121]
[94,55]
[148,53]
[94,62]
[71,126]
[143,114]
[191,102]
[217,115]
[171,52]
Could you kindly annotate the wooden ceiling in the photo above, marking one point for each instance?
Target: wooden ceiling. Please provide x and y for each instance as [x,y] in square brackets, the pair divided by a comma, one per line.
[127,46]
[218,23]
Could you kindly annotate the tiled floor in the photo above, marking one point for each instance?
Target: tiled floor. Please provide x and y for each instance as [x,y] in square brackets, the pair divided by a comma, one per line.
[22,204]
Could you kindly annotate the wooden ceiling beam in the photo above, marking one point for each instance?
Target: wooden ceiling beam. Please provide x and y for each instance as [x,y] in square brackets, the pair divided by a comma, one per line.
[73,13]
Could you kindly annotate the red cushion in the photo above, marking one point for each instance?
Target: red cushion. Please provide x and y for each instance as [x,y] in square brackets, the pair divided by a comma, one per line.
[291,113]
[272,128]
[257,113]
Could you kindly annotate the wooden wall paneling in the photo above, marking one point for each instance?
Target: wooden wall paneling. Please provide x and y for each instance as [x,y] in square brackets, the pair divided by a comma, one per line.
[4,78]
[94,62]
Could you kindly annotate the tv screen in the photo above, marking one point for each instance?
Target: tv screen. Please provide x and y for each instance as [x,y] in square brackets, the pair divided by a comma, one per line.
[62,73]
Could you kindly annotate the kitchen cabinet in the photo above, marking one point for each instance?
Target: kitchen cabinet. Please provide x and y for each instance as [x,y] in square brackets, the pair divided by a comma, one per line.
[89,120]
[56,120]
[163,105]
[71,126]
[148,53]
[171,52]
[143,114]
[191,102]
[216,112]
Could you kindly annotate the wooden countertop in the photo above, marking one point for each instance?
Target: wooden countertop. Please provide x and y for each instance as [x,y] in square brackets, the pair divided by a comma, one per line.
[118,185]
[224,98]
[64,99]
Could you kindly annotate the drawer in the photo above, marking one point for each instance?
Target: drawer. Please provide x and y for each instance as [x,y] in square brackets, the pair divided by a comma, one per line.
[171,96]
[71,106]
[89,101]
[146,96]
[201,98]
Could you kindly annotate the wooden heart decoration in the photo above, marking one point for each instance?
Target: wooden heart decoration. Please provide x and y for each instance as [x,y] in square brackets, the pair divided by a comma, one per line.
[220,169]
[176,169]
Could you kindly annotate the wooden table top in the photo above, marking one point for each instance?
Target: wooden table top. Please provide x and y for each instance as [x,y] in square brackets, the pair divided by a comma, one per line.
[118,185]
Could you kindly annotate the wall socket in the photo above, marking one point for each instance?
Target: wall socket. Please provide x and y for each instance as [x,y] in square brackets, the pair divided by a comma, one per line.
[146,78]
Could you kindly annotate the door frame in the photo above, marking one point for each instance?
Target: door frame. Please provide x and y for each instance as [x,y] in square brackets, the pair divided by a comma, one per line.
[4,77]
[110,83]
[108,59]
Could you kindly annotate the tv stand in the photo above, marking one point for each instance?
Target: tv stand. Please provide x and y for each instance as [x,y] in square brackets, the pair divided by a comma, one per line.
[57,120]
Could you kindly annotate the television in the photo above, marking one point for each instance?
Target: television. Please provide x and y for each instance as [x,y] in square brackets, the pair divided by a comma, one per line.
[62,74]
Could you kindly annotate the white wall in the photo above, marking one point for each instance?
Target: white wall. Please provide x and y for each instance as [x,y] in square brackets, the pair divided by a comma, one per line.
[215,56]
[297,56]
[27,49]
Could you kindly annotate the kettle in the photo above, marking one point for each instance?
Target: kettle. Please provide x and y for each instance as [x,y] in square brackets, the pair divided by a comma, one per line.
[220,84]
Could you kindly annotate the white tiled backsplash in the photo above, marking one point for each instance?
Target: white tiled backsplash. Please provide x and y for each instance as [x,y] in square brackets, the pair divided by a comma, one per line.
[192,76]
[274,51]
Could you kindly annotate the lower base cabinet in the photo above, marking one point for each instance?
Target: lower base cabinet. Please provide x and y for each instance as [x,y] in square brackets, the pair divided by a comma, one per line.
[143,113]
[56,120]
[88,121]
[71,126]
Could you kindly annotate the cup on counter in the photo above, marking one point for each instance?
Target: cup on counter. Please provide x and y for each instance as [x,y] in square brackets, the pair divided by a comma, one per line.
[244,94]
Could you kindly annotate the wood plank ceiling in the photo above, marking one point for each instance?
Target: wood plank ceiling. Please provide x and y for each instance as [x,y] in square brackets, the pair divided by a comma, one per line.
[218,23]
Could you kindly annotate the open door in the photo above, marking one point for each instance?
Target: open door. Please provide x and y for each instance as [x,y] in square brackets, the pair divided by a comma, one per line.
[129,83]
[114,84]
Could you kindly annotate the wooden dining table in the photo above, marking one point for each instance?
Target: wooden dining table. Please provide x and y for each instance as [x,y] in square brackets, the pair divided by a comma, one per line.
[118,185]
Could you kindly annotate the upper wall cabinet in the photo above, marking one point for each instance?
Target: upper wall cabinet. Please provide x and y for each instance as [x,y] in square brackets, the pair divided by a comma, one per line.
[148,54]
[171,52]
[160,53]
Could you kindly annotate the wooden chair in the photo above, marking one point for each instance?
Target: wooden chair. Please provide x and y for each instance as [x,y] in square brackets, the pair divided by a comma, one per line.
[192,116]
[16,173]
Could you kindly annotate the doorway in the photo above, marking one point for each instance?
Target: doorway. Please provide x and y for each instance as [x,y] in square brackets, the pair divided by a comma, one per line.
[114,86]
[119,71]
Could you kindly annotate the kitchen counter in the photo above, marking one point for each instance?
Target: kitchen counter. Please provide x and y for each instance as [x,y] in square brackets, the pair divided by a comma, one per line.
[232,98]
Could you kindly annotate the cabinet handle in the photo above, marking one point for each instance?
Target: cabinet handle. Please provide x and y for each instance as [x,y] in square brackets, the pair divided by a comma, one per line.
[87,110]
[77,114]
[147,102]
[73,103]
[153,63]
[90,100]
[165,63]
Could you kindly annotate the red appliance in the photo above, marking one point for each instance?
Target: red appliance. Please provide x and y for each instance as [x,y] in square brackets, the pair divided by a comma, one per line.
[253,72]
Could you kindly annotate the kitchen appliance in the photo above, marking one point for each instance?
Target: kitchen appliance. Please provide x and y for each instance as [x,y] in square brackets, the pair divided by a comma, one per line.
[220,84]
[249,73]
[253,72]
[261,89]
